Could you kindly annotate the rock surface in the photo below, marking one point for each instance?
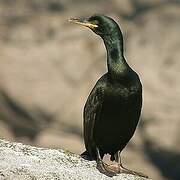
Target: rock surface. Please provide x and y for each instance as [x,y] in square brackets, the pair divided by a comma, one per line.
[20,161]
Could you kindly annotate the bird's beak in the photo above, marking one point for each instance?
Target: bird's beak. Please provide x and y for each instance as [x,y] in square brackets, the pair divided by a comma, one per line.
[83,23]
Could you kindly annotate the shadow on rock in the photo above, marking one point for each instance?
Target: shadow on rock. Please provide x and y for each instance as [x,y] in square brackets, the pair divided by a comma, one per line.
[166,160]
[23,121]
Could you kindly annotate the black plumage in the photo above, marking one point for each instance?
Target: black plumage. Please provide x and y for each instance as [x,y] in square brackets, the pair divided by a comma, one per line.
[113,108]
[111,115]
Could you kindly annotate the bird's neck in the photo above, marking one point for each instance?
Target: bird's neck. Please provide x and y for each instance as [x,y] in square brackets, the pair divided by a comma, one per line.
[117,65]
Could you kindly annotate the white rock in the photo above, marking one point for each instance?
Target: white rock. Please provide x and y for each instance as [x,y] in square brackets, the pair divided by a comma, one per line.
[18,161]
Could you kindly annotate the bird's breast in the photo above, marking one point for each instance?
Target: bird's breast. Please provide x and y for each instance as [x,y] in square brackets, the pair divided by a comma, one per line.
[119,114]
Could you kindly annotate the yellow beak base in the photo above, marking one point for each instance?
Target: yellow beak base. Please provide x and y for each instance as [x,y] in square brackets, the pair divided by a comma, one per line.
[83,23]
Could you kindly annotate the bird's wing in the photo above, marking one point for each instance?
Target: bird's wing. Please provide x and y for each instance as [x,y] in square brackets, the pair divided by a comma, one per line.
[92,111]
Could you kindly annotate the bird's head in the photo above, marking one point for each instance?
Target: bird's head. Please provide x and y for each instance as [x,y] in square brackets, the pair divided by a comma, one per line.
[100,24]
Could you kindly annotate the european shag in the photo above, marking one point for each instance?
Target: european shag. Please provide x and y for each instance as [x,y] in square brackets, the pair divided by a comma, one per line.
[113,108]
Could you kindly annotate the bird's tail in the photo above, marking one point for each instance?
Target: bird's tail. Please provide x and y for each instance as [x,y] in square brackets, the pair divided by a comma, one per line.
[86,155]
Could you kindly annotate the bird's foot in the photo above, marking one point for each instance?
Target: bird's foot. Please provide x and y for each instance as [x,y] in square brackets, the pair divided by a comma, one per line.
[106,169]
[121,169]
[115,169]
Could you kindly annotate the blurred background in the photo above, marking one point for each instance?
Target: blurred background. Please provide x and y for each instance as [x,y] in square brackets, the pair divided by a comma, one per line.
[48,67]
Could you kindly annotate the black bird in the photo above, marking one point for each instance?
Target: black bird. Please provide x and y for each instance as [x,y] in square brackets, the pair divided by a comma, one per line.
[113,107]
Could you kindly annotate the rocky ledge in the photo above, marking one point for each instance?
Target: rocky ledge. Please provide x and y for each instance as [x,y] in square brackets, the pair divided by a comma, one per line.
[18,161]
